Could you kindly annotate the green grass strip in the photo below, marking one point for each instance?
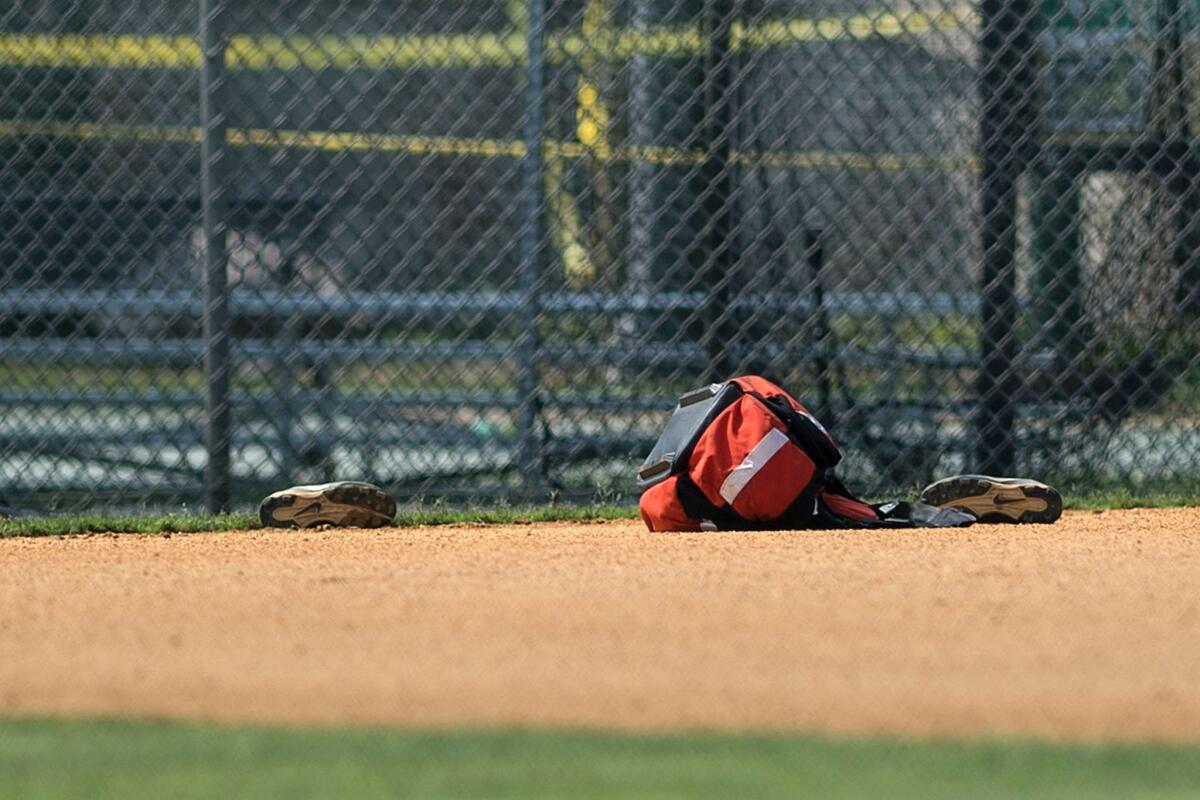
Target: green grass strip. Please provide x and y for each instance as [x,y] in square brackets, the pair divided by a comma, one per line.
[491,515]
[136,760]
[407,517]
[1125,498]
[167,523]
[512,515]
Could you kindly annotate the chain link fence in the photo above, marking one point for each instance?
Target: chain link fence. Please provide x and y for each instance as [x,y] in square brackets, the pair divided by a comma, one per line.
[474,250]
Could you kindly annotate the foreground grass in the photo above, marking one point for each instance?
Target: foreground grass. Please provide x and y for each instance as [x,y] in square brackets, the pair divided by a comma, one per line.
[72,759]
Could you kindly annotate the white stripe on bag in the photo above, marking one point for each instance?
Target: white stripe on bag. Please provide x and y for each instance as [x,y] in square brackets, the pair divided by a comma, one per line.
[754,461]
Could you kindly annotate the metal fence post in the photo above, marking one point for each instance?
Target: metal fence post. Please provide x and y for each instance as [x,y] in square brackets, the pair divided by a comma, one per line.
[1057,285]
[1006,76]
[643,255]
[823,357]
[718,256]
[532,253]
[1170,118]
[216,290]
[1187,247]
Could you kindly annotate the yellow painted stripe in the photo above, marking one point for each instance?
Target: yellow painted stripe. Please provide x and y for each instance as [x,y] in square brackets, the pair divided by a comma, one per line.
[97,130]
[675,41]
[880,162]
[339,141]
[137,52]
[859,26]
[334,141]
[375,52]
[505,49]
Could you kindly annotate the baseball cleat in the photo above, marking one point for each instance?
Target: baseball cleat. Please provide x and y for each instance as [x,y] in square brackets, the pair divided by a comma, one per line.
[344,504]
[996,499]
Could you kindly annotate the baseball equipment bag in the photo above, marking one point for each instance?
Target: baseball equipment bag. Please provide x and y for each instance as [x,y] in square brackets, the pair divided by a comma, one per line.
[745,454]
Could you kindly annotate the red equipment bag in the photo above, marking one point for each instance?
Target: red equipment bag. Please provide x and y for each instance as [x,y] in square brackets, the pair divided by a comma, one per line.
[745,454]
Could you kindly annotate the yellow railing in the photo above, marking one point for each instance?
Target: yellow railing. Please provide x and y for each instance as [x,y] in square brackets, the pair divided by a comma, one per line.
[505,48]
[337,141]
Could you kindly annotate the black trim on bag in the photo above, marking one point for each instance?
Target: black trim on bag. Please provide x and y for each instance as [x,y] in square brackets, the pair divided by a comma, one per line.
[697,506]
[803,512]
[805,431]
[828,518]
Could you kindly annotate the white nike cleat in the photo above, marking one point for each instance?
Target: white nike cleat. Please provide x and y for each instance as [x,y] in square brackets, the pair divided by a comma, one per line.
[996,499]
[350,504]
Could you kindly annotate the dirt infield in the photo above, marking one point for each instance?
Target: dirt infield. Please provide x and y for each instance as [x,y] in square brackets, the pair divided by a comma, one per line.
[1087,628]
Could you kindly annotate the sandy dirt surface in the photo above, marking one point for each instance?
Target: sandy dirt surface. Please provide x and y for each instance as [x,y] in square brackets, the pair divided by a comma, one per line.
[1088,628]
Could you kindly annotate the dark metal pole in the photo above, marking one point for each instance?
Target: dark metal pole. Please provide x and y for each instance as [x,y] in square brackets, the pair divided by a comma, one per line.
[1056,249]
[660,242]
[1187,245]
[1007,82]
[814,257]
[717,255]
[532,251]
[644,178]
[1170,118]
[216,294]
[288,339]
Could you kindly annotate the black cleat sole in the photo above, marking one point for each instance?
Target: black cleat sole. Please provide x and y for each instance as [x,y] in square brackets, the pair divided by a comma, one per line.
[992,500]
[342,504]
